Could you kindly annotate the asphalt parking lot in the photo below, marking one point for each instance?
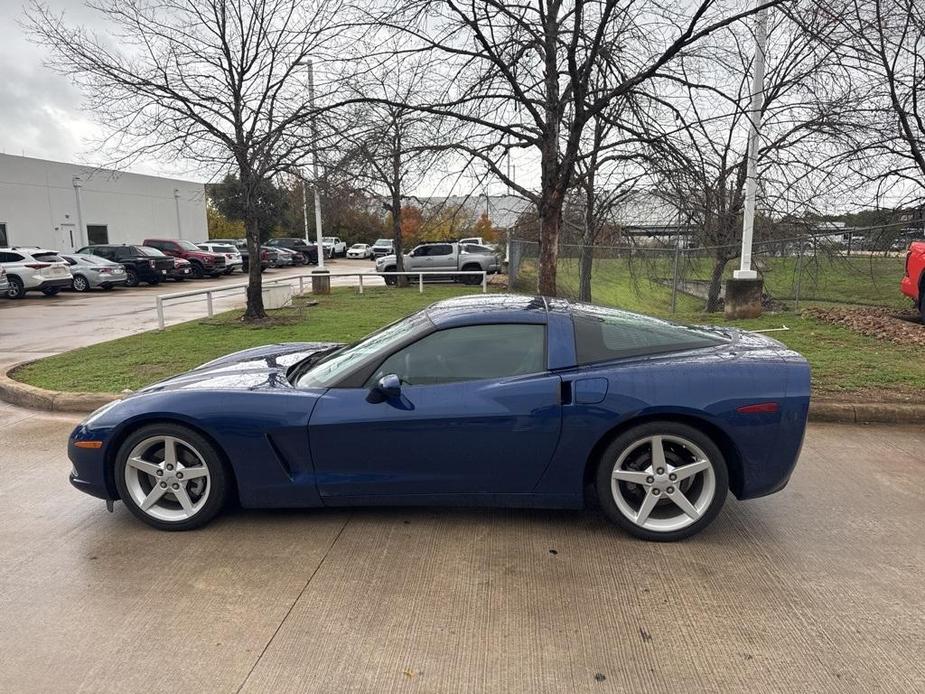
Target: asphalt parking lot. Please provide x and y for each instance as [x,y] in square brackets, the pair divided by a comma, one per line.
[818,588]
[39,326]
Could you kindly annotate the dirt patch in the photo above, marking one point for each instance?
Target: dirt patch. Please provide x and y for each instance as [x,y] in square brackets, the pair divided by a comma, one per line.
[890,325]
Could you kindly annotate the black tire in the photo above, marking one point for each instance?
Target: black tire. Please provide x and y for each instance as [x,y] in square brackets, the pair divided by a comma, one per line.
[131,278]
[51,291]
[16,290]
[153,283]
[470,280]
[218,476]
[390,280]
[630,439]
[197,270]
[80,284]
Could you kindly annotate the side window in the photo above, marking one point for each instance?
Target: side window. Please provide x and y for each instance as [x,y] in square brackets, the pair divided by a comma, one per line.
[5,257]
[441,249]
[121,252]
[469,353]
[419,252]
[602,334]
[11,258]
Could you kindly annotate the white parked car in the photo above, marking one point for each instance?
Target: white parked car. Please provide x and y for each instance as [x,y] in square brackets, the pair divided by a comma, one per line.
[333,246]
[382,247]
[30,269]
[233,259]
[4,282]
[360,250]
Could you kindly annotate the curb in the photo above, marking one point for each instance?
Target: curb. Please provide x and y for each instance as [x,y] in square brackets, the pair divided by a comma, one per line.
[24,395]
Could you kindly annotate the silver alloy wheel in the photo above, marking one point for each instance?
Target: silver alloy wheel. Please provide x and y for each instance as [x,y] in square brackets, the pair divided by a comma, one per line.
[80,283]
[665,488]
[167,478]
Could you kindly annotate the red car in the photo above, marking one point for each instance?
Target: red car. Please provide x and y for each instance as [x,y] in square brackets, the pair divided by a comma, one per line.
[202,262]
[913,283]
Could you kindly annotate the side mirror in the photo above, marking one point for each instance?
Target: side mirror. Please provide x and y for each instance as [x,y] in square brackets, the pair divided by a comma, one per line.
[389,385]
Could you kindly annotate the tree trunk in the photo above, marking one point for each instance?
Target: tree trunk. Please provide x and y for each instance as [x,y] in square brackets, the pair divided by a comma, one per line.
[716,283]
[396,208]
[585,261]
[550,222]
[254,310]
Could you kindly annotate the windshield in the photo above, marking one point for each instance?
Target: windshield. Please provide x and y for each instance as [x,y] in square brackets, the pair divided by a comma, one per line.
[329,239]
[383,242]
[331,368]
[188,246]
[358,246]
[147,250]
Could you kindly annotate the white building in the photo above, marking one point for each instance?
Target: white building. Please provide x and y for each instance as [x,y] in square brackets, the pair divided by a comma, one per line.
[66,206]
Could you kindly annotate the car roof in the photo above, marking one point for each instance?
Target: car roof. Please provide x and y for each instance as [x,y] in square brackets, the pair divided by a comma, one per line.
[488,308]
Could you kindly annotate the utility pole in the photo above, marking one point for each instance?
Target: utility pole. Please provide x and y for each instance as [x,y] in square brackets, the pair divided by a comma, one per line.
[314,132]
[745,271]
[745,290]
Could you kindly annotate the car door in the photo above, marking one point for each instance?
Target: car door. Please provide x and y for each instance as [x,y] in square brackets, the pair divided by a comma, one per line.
[442,257]
[478,413]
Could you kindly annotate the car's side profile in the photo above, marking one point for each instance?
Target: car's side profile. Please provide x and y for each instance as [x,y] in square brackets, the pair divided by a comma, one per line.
[93,271]
[494,400]
[30,269]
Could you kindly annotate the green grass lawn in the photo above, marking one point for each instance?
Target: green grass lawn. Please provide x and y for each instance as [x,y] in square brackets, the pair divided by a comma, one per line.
[867,280]
[845,364]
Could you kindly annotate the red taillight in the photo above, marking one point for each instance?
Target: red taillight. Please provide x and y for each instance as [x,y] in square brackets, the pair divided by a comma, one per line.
[37,266]
[758,408]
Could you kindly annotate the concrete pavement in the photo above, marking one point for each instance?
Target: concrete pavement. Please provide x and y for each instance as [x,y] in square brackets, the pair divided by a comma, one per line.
[39,326]
[816,589]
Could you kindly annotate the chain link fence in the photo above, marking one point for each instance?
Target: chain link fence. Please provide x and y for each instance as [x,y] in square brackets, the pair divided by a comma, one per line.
[681,277]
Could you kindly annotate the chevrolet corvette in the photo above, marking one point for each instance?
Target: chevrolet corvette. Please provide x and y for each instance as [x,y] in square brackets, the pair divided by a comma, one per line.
[499,400]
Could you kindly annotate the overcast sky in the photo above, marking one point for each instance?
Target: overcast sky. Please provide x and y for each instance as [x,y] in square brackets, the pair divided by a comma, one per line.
[41,113]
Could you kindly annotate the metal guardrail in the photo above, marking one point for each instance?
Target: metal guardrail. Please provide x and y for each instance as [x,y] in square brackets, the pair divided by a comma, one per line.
[291,279]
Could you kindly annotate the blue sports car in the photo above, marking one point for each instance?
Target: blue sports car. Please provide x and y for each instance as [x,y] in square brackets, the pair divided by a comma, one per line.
[498,400]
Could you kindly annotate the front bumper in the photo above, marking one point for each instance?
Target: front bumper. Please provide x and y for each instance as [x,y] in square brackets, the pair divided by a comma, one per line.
[88,471]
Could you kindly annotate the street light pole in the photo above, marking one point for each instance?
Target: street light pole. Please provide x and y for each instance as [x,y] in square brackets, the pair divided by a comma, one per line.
[745,271]
[314,126]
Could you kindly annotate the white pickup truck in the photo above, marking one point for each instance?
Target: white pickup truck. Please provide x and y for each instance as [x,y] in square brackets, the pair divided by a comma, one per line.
[444,256]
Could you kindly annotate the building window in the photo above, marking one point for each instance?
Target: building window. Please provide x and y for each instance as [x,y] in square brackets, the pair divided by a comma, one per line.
[97,233]
[4,241]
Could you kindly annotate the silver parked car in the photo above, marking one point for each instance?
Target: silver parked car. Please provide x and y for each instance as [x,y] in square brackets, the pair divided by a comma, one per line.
[94,272]
[444,256]
[29,268]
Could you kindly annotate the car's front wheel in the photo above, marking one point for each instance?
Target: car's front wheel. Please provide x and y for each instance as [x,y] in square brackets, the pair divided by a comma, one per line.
[662,481]
[171,477]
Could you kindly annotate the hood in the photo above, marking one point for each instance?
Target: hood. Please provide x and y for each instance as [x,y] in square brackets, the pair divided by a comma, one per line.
[258,368]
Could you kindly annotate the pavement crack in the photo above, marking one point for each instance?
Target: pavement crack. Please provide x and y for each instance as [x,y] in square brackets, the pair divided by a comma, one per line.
[294,602]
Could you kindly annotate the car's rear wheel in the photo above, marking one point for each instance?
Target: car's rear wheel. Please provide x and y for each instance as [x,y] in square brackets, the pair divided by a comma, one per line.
[170,477]
[390,280]
[16,290]
[662,481]
[470,279]
[80,284]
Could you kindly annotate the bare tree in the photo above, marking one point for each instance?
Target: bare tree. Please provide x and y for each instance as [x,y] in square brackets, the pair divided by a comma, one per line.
[522,75]
[218,83]
[809,125]
[883,44]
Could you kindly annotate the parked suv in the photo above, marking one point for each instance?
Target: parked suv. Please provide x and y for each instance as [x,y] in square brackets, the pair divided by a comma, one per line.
[308,250]
[241,246]
[233,259]
[202,262]
[444,256]
[333,246]
[28,269]
[4,282]
[913,282]
[383,247]
[141,263]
